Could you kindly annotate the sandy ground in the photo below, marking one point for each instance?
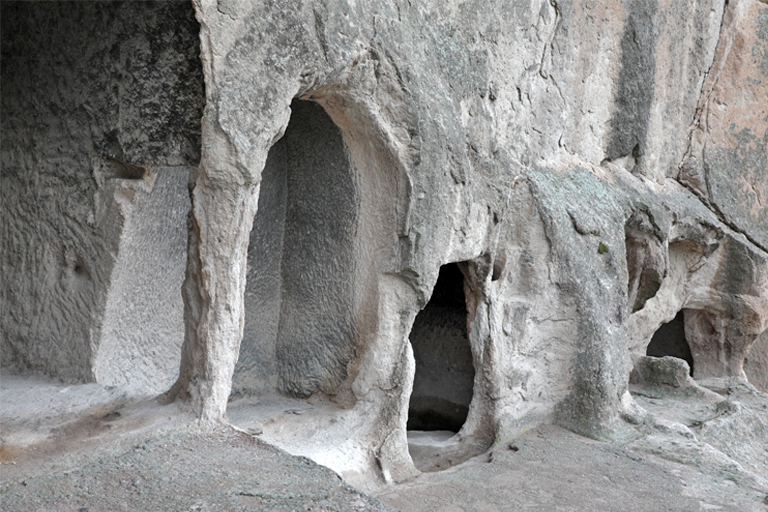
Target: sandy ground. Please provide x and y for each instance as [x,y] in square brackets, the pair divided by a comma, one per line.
[88,448]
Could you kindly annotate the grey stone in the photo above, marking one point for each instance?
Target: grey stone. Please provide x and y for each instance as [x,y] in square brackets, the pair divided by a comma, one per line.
[301,298]
[756,363]
[660,372]
[101,105]
[348,151]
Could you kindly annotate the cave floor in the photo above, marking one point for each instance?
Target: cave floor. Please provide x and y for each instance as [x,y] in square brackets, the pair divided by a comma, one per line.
[89,448]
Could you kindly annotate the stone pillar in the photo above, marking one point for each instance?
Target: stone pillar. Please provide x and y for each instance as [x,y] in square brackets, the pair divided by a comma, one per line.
[720,341]
[219,227]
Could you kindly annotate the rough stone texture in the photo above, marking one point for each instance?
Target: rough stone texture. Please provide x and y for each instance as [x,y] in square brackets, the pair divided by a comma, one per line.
[532,141]
[301,295]
[645,260]
[718,280]
[101,105]
[664,372]
[545,144]
[756,364]
[545,469]
[723,436]
[728,156]
[142,329]
[670,340]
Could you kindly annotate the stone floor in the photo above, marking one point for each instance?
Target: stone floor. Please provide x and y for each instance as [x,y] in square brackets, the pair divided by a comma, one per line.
[92,448]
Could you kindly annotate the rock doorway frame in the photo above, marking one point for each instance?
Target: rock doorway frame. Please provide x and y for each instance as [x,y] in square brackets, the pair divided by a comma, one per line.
[444,374]
[299,333]
[370,398]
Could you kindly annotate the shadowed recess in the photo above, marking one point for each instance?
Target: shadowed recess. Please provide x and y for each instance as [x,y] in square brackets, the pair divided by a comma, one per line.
[299,299]
[442,386]
[669,340]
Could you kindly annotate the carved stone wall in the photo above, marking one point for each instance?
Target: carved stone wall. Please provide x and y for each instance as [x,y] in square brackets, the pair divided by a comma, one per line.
[598,167]
[101,107]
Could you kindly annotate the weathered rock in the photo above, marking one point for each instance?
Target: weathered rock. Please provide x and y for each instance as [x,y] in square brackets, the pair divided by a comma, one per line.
[665,376]
[101,105]
[756,363]
[351,150]
[300,298]
[491,123]
[669,340]
[662,372]
[722,435]
[727,158]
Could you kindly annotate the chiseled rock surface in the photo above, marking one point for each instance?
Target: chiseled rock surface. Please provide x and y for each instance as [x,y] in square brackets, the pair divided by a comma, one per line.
[595,168]
[100,127]
[539,143]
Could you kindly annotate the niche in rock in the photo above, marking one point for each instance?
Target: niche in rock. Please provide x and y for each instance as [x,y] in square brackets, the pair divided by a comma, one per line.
[300,292]
[669,340]
[443,383]
[646,264]
[101,105]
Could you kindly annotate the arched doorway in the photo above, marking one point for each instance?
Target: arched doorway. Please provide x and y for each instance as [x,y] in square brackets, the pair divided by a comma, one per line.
[445,373]
[299,300]
[669,340]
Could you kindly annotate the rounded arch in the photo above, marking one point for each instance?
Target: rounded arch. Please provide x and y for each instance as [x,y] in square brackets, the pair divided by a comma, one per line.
[331,210]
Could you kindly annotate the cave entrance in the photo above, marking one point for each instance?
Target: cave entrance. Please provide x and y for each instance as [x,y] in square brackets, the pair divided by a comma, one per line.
[300,289]
[324,239]
[670,340]
[445,374]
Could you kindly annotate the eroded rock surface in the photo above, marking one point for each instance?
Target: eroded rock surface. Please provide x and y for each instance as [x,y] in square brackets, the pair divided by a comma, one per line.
[597,169]
[100,127]
[539,144]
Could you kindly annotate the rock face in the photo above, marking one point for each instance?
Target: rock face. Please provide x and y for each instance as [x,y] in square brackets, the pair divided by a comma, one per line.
[596,170]
[100,126]
[756,363]
[727,158]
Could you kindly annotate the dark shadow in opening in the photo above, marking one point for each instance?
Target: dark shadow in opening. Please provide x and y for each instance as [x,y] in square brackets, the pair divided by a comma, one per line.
[669,340]
[442,386]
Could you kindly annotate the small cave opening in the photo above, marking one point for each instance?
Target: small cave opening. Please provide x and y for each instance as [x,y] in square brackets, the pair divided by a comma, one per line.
[670,340]
[444,378]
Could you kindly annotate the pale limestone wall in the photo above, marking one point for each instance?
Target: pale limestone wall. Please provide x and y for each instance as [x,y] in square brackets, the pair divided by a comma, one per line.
[595,167]
[538,142]
[101,104]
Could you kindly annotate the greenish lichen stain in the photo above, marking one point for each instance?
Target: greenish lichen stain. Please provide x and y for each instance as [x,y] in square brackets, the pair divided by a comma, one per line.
[602,248]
